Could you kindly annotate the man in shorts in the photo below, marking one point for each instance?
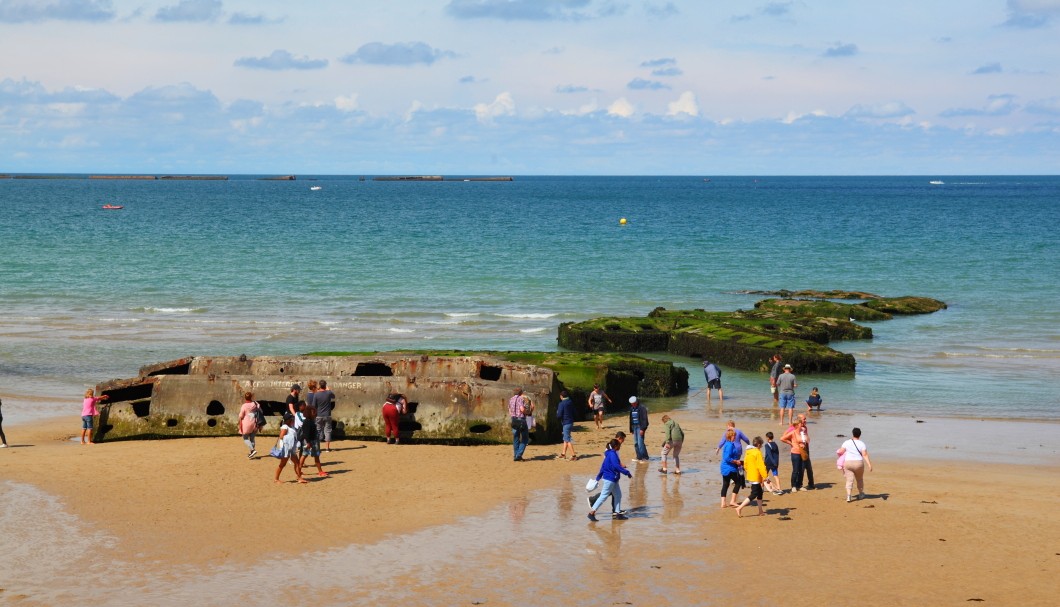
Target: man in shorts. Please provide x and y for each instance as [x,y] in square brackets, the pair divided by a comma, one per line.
[713,375]
[596,405]
[786,385]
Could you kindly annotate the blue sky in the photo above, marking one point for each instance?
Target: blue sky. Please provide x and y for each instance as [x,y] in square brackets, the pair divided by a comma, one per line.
[517,87]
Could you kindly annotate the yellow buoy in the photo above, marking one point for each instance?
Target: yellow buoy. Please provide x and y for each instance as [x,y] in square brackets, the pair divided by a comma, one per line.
[622,221]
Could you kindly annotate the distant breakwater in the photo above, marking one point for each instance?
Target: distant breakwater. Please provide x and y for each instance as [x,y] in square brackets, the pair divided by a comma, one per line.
[225,177]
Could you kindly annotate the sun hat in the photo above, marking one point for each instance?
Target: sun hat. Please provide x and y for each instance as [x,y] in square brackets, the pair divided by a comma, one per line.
[787,366]
[632,399]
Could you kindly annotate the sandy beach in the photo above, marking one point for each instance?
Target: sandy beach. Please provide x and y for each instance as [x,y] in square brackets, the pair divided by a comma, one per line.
[165,522]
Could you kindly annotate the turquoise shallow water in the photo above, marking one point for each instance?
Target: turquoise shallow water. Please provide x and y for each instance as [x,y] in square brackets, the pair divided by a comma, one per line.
[226,267]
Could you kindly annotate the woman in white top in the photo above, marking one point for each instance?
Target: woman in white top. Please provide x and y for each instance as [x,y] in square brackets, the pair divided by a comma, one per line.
[856,457]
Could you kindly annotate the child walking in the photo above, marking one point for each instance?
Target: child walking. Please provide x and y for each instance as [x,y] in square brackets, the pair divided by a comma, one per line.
[771,455]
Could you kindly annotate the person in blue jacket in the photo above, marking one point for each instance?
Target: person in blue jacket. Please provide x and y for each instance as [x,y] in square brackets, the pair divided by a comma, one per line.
[565,414]
[610,469]
[730,467]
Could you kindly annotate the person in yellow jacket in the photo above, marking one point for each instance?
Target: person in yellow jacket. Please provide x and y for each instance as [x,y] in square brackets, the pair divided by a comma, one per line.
[754,467]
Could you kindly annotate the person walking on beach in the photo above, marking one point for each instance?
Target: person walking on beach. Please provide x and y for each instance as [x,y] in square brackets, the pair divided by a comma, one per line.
[311,440]
[324,402]
[774,373]
[88,411]
[248,422]
[565,415]
[771,455]
[520,433]
[730,468]
[713,376]
[288,445]
[675,438]
[3,437]
[610,469]
[754,468]
[293,398]
[390,420]
[596,405]
[620,436]
[856,458]
[786,384]
[638,425]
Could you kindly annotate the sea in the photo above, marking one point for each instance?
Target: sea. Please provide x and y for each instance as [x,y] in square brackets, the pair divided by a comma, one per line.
[327,263]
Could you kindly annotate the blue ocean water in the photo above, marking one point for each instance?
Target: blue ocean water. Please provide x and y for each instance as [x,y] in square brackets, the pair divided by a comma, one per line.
[260,267]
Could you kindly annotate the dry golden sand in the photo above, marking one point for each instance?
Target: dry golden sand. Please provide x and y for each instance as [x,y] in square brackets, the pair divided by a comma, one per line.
[930,533]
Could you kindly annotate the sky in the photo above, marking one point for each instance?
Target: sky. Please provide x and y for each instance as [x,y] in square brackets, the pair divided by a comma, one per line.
[530,87]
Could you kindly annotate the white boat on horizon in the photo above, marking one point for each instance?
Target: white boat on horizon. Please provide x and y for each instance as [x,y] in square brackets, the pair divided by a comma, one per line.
[317,187]
[937,182]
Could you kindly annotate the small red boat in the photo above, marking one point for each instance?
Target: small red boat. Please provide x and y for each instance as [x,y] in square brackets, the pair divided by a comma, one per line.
[113,207]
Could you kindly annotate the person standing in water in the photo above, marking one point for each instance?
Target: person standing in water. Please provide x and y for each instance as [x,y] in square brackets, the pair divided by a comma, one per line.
[713,376]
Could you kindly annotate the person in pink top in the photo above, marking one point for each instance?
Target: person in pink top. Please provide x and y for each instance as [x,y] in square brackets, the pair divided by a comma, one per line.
[88,411]
[248,422]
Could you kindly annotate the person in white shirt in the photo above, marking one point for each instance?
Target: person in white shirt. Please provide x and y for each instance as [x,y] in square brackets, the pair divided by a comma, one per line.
[856,458]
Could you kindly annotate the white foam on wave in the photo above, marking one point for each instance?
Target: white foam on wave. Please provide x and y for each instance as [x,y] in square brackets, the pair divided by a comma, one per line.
[397,330]
[461,314]
[534,330]
[534,316]
[166,310]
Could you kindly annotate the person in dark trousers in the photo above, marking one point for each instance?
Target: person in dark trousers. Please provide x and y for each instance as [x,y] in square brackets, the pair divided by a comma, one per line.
[638,425]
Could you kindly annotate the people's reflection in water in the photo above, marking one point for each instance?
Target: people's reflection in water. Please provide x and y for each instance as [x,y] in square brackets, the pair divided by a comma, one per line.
[566,499]
[672,501]
[607,546]
[638,495]
[517,510]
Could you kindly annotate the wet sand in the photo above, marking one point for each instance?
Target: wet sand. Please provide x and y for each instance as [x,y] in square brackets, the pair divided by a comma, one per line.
[168,522]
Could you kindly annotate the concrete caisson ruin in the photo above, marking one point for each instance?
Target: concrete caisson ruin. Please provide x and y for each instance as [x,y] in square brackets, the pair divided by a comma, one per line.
[451,398]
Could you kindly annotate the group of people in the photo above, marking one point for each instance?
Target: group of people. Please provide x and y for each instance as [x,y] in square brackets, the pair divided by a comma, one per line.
[744,462]
[782,384]
[307,426]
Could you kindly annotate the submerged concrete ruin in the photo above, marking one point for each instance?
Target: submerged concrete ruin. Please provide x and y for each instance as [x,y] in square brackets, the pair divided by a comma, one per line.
[452,398]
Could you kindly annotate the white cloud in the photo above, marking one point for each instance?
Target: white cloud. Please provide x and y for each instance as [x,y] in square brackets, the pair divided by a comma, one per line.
[794,117]
[686,104]
[621,108]
[502,105]
[347,103]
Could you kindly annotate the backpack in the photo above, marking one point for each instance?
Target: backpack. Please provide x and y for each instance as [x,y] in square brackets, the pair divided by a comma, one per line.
[259,416]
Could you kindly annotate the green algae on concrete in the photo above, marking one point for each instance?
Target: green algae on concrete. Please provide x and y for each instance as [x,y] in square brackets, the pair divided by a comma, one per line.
[798,329]
[822,308]
[741,339]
